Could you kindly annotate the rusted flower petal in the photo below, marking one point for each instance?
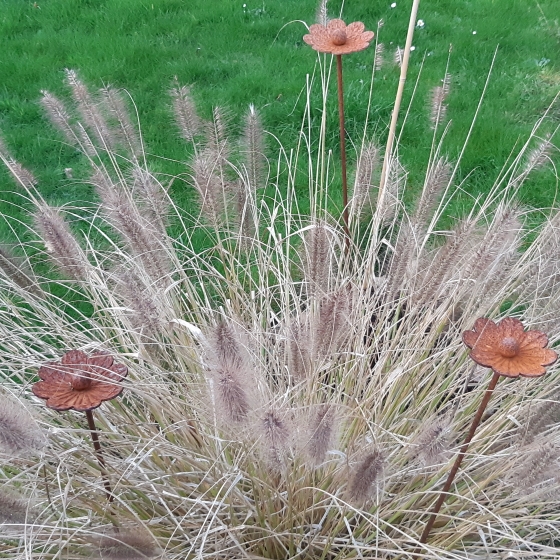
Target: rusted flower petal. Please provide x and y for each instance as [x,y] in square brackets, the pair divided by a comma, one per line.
[338,38]
[508,349]
[79,381]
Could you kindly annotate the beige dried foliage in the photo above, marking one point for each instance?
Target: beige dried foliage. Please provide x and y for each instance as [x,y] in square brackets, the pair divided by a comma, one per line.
[245,208]
[544,416]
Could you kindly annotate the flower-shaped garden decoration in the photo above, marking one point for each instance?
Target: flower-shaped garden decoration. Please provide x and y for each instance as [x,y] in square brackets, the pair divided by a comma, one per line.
[509,349]
[79,381]
[338,38]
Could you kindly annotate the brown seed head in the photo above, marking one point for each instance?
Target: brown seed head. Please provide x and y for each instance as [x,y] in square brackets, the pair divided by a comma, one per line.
[338,38]
[508,349]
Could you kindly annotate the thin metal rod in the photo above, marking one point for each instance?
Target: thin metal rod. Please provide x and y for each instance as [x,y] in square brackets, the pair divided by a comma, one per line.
[342,147]
[459,459]
[99,454]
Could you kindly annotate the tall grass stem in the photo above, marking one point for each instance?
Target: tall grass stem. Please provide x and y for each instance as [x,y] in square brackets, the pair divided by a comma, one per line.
[397,105]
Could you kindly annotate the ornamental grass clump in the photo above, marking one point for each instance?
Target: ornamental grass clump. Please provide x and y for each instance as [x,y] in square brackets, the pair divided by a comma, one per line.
[290,394]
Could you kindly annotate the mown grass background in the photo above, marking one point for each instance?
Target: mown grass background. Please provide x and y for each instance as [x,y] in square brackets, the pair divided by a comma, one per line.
[240,52]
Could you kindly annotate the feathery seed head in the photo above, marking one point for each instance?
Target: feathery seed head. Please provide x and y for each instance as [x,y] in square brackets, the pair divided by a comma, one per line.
[398,56]
[15,510]
[58,114]
[89,109]
[539,156]
[379,52]
[126,133]
[432,444]
[144,303]
[233,377]
[19,432]
[128,544]
[252,147]
[275,436]
[14,269]
[367,477]
[318,259]
[438,98]
[184,110]
[320,432]
[60,243]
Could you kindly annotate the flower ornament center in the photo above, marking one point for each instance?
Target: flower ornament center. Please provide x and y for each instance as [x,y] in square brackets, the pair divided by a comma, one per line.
[509,347]
[81,381]
[338,37]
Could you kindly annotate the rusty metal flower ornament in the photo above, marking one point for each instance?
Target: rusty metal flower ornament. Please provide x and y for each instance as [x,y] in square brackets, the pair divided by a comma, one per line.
[338,38]
[509,349]
[79,381]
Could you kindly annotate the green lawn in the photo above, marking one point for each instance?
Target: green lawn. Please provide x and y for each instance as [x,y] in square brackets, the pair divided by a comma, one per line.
[235,54]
